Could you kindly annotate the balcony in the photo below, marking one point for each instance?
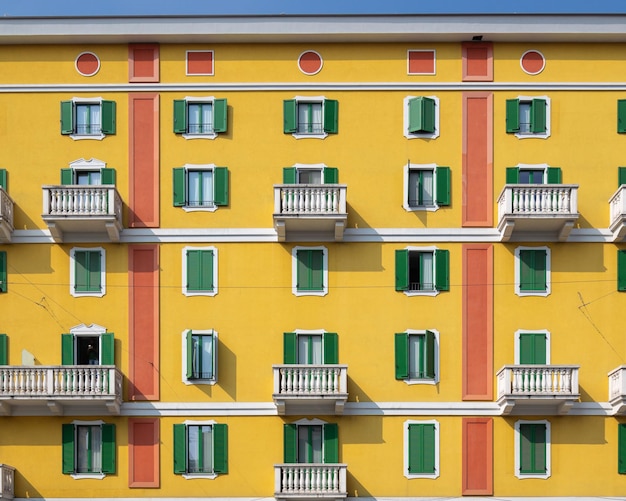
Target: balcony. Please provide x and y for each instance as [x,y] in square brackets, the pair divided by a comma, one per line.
[6,217]
[310,389]
[537,389]
[310,481]
[537,211]
[617,390]
[7,474]
[60,390]
[617,205]
[80,209]
[310,211]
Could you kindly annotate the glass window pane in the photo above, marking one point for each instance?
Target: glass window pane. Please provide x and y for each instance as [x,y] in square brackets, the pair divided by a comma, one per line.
[309,444]
[82,119]
[202,357]
[200,449]
[194,188]
[309,349]
[427,194]
[310,118]
[194,120]
[414,184]
[415,351]
[310,176]
[427,279]
[524,117]
[207,188]
[88,449]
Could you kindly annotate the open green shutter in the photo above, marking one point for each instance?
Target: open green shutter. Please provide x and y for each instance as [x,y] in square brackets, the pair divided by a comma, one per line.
[442,270]
[290,116]
[402,270]
[3,272]
[67,117]
[554,175]
[108,448]
[68,448]
[220,448]
[4,353]
[220,115]
[220,181]
[401,344]
[331,175]
[331,443]
[290,443]
[331,116]
[331,348]
[180,197]
[289,175]
[189,358]
[512,175]
[443,186]
[3,179]
[429,355]
[621,270]
[107,351]
[538,112]
[67,177]
[67,349]
[621,116]
[621,448]
[428,114]
[512,115]
[107,176]
[180,449]
[416,122]
[108,117]
[180,116]
[621,176]
[290,348]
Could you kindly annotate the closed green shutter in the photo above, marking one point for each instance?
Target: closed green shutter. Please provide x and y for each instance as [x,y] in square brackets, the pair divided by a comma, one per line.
[220,115]
[180,449]
[107,176]
[442,270]
[331,175]
[429,355]
[402,270]
[512,175]
[331,116]
[422,448]
[331,348]
[87,273]
[290,443]
[199,270]
[180,116]
[554,175]
[532,349]
[67,117]
[621,448]
[532,448]
[220,448]
[443,186]
[538,111]
[621,116]
[290,116]
[533,270]
[421,115]
[67,177]
[401,344]
[4,353]
[179,177]
[108,448]
[68,448]
[189,361]
[3,179]
[290,348]
[512,115]
[107,351]
[310,270]
[621,176]
[3,272]
[289,175]
[621,270]
[108,117]
[220,181]
[331,443]
[67,349]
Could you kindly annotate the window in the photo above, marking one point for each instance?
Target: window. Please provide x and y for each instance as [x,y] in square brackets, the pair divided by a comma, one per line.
[310,347]
[88,449]
[310,117]
[621,270]
[87,272]
[422,271]
[199,356]
[532,454]
[421,117]
[532,347]
[200,449]
[200,187]
[528,116]
[417,356]
[311,441]
[533,174]
[621,448]
[532,271]
[91,172]
[621,116]
[421,449]
[199,271]
[3,271]
[88,345]
[426,186]
[200,117]
[309,271]
[310,174]
[87,118]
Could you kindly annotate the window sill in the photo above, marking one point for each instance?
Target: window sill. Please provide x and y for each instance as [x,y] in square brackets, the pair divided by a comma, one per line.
[532,293]
[79,137]
[421,475]
[411,382]
[301,135]
[422,135]
[531,135]
[297,292]
[524,476]
[93,476]
[211,135]
[200,293]
[192,382]
[207,208]
[421,208]
[434,292]
[88,294]
[193,476]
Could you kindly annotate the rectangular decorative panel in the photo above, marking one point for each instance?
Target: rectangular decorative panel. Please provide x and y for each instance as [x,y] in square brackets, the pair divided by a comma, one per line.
[477,60]
[477,456]
[143,453]
[143,63]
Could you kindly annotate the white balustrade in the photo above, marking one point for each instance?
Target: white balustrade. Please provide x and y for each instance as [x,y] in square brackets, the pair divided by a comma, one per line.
[310,478]
[82,200]
[617,205]
[542,199]
[7,475]
[6,208]
[529,380]
[310,199]
[617,383]
[310,380]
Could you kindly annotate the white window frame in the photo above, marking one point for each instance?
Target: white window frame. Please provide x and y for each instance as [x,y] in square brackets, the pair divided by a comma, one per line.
[538,135]
[405,201]
[541,167]
[197,167]
[190,422]
[435,381]
[405,122]
[73,272]
[87,100]
[294,271]
[406,449]
[80,476]
[93,164]
[310,99]
[432,250]
[548,290]
[206,99]
[523,476]
[193,382]
[212,73]
[531,331]
[302,167]
[93,330]
[184,270]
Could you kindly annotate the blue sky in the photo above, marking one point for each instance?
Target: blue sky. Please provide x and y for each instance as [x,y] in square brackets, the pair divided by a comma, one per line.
[11,8]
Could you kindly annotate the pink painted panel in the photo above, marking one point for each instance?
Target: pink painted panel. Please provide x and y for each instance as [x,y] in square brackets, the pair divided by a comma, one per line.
[477,61]
[143,63]
[477,457]
[143,453]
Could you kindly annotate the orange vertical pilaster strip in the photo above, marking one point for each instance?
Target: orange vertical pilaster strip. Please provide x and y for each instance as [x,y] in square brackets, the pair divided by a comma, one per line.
[477,454]
[143,453]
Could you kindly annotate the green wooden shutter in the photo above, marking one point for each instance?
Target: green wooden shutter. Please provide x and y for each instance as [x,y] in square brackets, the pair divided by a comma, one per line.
[180,116]
[179,182]
[108,117]
[194,270]
[220,115]
[442,270]
[331,443]
[180,449]
[512,175]
[538,112]
[414,448]
[206,266]
[3,179]
[402,270]
[317,269]
[95,271]
[621,448]
[290,348]
[422,448]
[107,348]
[540,270]
[428,114]
[429,358]
[189,358]
[87,272]
[67,177]
[621,176]
[554,175]
[108,448]
[220,448]
[401,344]
[67,349]
[290,443]
[3,272]
[289,175]
[290,116]
[67,117]
[512,115]
[4,353]
[68,448]
[331,116]
[331,175]
[621,270]
[533,270]
[107,176]
[532,348]
[442,196]
[331,348]
[220,184]
[621,116]
[421,115]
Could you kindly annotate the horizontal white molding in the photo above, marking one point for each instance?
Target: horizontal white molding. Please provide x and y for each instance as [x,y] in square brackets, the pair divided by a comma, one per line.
[360,498]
